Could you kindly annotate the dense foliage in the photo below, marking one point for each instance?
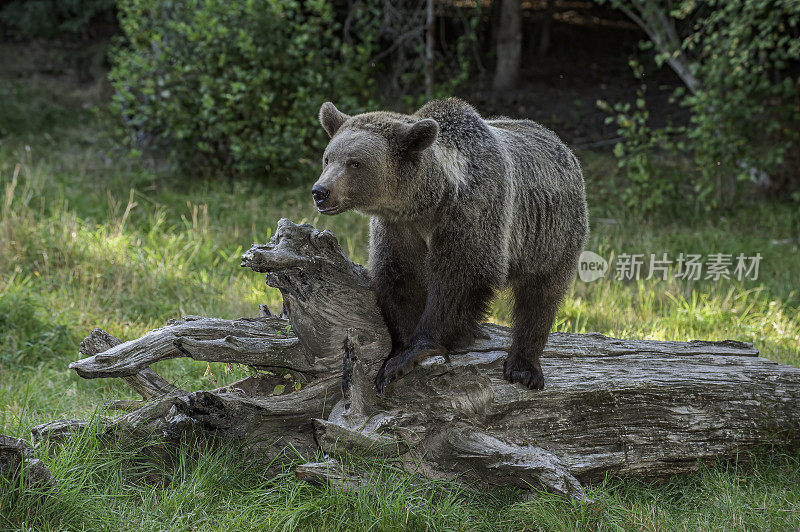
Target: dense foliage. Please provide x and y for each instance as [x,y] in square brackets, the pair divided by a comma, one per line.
[235,87]
[740,62]
[746,115]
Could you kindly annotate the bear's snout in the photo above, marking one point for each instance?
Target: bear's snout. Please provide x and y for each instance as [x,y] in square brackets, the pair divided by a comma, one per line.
[320,194]
[326,204]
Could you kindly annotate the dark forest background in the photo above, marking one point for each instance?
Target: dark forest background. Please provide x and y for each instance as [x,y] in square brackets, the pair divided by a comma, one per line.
[693,97]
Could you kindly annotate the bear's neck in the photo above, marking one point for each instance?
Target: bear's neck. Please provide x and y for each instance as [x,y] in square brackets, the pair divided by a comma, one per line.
[424,190]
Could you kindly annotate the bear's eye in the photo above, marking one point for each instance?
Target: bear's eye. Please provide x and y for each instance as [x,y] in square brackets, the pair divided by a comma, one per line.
[325,161]
[355,164]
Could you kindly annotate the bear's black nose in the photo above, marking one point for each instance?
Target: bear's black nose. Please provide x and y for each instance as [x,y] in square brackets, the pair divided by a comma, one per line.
[320,194]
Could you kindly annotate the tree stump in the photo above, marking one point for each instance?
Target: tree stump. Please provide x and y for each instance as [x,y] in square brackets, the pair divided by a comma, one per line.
[632,407]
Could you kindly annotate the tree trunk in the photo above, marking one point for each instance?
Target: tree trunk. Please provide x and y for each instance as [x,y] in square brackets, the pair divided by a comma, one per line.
[430,63]
[660,29]
[632,407]
[509,45]
[545,29]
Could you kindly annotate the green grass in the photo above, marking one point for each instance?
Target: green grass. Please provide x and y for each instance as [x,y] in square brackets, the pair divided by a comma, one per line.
[89,238]
[209,488]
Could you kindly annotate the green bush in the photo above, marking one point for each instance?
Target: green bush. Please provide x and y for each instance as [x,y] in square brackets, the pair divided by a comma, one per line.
[645,187]
[745,118]
[235,87]
[740,62]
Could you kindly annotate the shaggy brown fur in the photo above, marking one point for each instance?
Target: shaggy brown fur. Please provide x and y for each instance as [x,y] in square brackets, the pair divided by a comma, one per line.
[460,206]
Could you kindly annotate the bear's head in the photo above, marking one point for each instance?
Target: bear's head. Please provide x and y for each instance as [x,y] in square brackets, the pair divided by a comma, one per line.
[368,159]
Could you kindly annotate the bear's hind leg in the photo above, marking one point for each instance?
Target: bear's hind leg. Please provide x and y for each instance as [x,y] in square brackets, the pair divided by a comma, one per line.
[536,301]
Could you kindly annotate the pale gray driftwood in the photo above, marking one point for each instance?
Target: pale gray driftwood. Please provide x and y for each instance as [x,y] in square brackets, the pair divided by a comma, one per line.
[633,407]
[258,342]
[145,382]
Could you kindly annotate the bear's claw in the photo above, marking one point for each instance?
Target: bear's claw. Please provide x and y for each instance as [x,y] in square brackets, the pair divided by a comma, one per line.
[519,370]
[400,365]
[394,368]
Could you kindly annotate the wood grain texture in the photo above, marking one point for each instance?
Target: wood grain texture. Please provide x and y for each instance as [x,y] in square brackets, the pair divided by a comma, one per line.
[259,342]
[145,382]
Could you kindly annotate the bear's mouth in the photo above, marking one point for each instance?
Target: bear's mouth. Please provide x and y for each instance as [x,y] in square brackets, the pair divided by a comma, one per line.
[333,209]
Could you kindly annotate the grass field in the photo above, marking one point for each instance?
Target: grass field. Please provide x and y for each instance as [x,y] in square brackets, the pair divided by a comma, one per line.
[90,238]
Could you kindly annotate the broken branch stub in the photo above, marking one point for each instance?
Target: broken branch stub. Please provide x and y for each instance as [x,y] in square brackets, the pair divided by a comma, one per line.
[324,293]
[145,382]
[258,342]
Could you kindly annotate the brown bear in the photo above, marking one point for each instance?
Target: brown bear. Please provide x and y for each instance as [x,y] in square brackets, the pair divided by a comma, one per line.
[460,206]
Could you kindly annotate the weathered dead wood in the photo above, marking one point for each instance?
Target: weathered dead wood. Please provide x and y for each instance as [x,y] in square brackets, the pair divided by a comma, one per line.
[145,382]
[258,342]
[16,459]
[57,431]
[498,462]
[645,415]
[324,293]
[332,472]
[637,407]
[268,424]
[634,407]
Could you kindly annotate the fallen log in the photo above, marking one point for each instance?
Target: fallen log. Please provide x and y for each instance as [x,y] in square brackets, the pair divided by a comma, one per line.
[331,472]
[632,407]
[16,460]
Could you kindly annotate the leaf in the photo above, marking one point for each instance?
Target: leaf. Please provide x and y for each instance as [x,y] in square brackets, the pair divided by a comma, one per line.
[209,374]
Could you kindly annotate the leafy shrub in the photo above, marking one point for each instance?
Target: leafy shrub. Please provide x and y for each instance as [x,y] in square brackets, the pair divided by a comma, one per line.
[645,187]
[740,62]
[226,87]
[745,116]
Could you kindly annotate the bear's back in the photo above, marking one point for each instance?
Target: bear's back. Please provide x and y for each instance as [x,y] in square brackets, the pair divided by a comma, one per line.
[531,144]
[550,216]
[460,125]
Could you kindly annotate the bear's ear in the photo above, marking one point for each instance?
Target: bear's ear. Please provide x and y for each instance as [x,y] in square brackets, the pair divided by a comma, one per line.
[331,118]
[419,135]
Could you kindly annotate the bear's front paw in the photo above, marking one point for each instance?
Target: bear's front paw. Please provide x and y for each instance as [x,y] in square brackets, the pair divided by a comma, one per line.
[394,368]
[519,370]
[400,365]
